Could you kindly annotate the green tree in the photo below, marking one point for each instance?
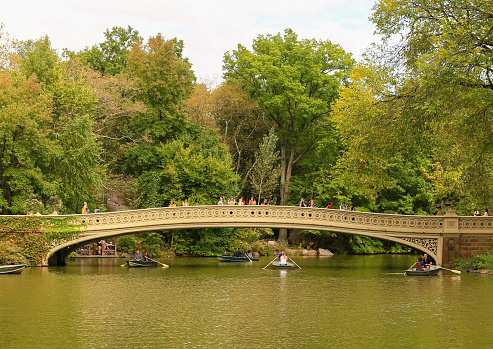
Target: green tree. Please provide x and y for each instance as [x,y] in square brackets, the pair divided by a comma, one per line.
[198,169]
[426,98]
[266,171]
[294,81]
[37,57]
[26,146]
[74,167]
[110,56]
[165,80]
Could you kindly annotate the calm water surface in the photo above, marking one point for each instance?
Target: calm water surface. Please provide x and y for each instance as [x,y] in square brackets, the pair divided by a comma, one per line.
[337,302]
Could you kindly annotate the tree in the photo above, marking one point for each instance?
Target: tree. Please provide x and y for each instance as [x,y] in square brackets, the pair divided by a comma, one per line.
[8,57]
[427,97]
[37,57]
[109,57]
[266,172]
[74,168]
[165,80]
[294,82]
[200,106]
[26,146]
[197,167]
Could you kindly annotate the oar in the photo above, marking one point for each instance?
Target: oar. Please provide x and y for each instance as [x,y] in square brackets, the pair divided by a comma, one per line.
[294,262]
[123,264]
[452,270]
[248,257]
[269,263]
[164,265]
[411,266]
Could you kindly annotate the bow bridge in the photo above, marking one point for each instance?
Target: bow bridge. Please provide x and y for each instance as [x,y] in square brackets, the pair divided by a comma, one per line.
[444,238]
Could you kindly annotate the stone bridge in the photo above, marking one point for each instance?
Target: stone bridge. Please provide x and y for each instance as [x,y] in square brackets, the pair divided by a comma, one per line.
[444,238]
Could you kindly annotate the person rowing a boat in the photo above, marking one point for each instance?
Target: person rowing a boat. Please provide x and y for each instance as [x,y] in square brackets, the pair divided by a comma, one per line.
[138,256]
[146,256]
[283,259]
[427,261]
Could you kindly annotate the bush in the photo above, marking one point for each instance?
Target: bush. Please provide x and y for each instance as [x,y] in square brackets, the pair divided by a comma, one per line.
[127,244]
[476,262]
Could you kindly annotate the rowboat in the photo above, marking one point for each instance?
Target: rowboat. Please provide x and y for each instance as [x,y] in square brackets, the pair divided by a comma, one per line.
[283,266]
[236,259]
[415,272]
[12,269]
[134,263]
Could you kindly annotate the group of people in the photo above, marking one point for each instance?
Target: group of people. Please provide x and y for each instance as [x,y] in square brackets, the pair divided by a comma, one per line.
[283,258]
[86,210]
[424,263]
[343,206]
[241,201]
[238,253]
[477,213]
[139,257]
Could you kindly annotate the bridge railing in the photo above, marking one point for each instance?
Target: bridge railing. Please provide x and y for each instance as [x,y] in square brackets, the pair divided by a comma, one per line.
[273,216]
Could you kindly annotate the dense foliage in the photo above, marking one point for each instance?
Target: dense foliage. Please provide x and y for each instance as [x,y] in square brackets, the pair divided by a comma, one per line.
[27,239]
[476,262]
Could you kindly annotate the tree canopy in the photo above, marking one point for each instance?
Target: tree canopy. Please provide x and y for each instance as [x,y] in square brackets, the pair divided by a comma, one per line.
[294,82]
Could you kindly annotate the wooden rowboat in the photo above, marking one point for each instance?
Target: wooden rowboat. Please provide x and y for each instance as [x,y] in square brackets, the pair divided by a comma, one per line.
[236,259]
[134,263]
[12,269]
[430,272]
[283,266]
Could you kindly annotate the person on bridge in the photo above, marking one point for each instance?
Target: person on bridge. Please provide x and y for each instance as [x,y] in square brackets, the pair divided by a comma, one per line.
[303,203]
[252,201]
[428,262]
[476,212]
[138,256]
[238,253]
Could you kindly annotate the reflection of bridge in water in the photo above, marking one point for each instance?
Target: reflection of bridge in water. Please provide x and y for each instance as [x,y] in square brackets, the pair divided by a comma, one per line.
[444,238]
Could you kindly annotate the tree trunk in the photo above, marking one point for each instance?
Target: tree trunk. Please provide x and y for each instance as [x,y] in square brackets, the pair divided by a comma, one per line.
[286,169]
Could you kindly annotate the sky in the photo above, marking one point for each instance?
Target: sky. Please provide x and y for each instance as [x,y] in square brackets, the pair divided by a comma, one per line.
[209,28]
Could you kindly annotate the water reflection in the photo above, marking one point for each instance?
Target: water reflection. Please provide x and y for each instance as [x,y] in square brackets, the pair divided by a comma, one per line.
[344,301]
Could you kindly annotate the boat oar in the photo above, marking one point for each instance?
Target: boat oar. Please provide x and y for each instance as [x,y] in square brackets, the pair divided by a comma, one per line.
[452,270]
[124,264]
[269,263]
[294,262]
[164,265]
[248,257]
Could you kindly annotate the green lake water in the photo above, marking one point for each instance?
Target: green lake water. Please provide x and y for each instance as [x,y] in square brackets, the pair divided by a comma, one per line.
[337,302]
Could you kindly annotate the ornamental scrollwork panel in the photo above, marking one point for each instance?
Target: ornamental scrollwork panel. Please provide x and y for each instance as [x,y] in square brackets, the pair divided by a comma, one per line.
[428,243]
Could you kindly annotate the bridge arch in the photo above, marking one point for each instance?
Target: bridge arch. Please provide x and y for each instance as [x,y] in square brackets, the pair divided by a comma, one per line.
[423,233]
